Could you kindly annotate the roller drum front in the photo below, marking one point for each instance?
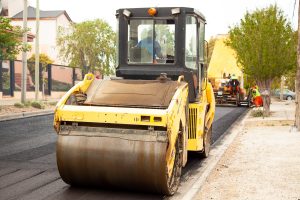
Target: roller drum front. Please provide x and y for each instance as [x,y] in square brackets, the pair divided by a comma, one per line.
[121,160]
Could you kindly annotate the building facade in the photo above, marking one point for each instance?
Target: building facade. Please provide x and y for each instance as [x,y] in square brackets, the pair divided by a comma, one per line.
[223,62]
[50,22]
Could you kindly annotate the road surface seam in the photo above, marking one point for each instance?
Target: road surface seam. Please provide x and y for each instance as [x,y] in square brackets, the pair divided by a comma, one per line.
[9,172]
[22,179]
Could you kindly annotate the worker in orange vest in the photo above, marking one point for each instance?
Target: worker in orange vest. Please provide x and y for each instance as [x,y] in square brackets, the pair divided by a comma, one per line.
[256,97]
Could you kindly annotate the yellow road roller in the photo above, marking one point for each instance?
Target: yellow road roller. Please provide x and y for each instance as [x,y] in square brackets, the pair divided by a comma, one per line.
[134,131]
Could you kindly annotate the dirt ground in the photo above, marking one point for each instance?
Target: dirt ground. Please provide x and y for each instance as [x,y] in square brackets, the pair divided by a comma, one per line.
[262,163]
[10,109]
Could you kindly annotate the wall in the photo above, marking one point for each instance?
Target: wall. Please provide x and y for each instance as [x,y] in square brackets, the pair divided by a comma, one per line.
[4,4]
[223,61]
[14,6]
[61,21]
[48,35]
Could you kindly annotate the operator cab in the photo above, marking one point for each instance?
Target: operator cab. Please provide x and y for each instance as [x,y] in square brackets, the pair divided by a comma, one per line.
[167,40]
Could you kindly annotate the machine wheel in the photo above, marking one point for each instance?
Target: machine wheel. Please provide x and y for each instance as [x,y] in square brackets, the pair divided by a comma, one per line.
[207,142]
[174,180]
[289,98]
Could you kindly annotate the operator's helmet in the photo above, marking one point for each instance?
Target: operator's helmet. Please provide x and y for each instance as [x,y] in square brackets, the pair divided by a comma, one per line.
[233,76]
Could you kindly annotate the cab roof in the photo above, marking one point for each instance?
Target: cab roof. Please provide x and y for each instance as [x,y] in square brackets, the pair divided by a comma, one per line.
[161,12]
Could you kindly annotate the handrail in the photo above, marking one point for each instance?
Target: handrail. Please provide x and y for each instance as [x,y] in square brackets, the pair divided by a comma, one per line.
[180,78]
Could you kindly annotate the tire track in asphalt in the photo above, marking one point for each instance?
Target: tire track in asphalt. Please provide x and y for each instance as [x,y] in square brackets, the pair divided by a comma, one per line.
[17,176]
[28,185]
[31,154]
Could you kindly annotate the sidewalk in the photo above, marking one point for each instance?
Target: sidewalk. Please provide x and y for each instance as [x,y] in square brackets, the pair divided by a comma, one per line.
[263,162]
[8,111]
[12,101]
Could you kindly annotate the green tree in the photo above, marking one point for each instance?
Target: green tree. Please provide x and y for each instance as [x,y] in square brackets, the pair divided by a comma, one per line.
[44,60]
[291,74]
[265,47]
[290,79]
[10,40]
[89,43]
[166,39]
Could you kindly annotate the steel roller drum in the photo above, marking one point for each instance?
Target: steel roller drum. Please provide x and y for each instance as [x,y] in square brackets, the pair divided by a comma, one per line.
[134,161]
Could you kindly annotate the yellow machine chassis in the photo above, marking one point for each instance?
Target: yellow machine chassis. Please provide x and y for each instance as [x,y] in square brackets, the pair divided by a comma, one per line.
[188,120]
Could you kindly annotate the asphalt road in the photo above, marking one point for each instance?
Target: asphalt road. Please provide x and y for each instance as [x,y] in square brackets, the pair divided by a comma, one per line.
[28,162]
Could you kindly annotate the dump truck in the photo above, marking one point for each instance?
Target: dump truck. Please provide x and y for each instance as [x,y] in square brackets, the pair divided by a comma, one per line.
[135,130]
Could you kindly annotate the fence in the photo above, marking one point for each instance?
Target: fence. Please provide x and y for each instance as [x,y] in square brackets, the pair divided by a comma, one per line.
[52,77]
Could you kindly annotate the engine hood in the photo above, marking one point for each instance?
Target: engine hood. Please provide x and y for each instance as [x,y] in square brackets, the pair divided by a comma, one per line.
[131,93]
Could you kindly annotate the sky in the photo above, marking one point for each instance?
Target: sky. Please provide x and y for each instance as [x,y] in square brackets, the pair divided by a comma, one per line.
[220,14]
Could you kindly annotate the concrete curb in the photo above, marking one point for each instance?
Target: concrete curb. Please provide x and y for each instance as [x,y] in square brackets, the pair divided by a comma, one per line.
[25,115]
[270,122]
[216,153]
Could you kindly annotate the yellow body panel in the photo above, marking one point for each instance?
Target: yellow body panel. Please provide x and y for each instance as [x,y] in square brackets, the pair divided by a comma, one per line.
[176,119]
[212,106]
[200,118]
[79,87]
[196,126]
[112,115]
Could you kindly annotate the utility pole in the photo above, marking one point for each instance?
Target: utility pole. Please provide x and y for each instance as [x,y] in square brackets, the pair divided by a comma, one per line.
[297,115]
[24,54]
[37,51]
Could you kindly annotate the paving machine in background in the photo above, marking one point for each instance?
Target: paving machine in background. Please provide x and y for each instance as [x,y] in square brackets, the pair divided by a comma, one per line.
[230,93]
[134,131]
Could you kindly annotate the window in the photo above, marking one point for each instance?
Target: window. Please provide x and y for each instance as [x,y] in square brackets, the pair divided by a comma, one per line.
[151,41]
[201,42]
[202,68]
[117,43]
[191,42]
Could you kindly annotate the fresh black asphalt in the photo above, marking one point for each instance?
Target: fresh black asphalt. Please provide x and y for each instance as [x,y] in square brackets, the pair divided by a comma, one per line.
[28,162]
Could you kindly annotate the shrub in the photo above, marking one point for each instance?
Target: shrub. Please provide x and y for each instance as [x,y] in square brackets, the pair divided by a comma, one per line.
[60,86]
[257,113]
[27,103]
[51,103]
[19,105]
[37,104]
